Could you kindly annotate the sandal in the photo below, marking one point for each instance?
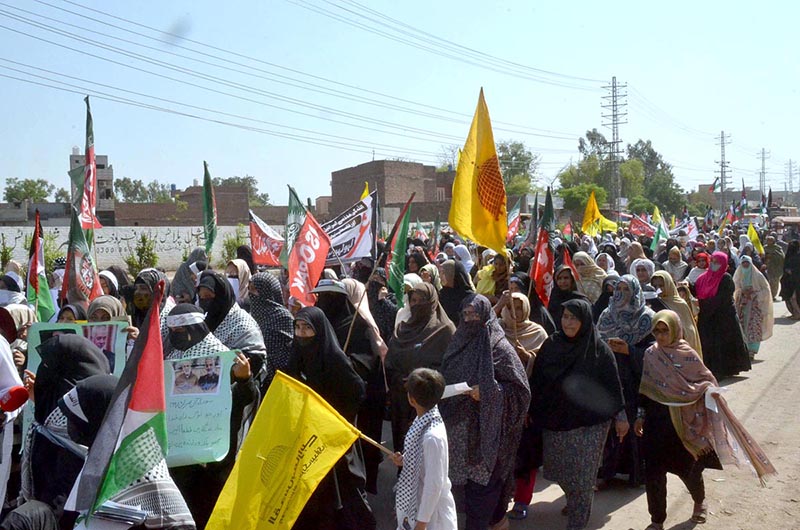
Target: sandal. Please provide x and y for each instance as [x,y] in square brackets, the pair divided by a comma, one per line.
[518,512]
[700,513]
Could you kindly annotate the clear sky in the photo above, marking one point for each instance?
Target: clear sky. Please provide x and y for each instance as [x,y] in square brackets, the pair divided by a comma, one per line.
[334,91]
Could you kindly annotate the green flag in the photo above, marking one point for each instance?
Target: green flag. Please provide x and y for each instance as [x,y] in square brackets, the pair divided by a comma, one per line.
[295,218]
[548,220]
[661,233]
[37,290]
[396,261]
[209,209]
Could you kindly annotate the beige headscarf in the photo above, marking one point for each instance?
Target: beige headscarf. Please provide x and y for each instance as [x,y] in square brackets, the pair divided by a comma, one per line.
[591,276]
[243,273]
[522,331]
[356,294]
[669,295]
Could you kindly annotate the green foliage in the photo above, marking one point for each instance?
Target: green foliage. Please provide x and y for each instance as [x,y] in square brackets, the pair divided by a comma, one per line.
[595,144]
[62,195]
[17,190]
[576,197]
[698,210]
[135,190]
[6,252]
[516,161]
[519,185]
[631,173]
[143,255]
[639,204]
[251,183]
[230,243]
[52,250]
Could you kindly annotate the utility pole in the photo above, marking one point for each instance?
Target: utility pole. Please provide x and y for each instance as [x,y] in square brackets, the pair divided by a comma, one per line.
[762,181]
[791,168]
[614,105]
[723,170]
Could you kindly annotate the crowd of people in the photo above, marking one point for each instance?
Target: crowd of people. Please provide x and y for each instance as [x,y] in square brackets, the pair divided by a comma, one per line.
[608,376]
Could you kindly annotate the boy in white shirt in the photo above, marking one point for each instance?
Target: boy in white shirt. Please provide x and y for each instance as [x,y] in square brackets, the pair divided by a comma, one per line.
[423,497]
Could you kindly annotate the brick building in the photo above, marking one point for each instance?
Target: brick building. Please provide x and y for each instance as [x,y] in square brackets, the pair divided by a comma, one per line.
[232,207]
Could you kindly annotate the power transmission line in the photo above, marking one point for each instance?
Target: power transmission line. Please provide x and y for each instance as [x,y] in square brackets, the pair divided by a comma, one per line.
[723,169]
[614,105]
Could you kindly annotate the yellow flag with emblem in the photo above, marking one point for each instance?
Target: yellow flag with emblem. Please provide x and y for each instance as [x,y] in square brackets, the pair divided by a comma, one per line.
[754,239]
[294,441]
[478,210]
[593,221]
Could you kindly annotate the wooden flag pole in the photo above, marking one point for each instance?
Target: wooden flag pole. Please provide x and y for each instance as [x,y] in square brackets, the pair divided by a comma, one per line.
[375,444]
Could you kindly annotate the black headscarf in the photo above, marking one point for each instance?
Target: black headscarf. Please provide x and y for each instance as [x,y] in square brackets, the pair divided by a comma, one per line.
[120,274]
[383,311]
[92,397]
[66,359]
[539,312]
[324,367]
[192,334]
[150,278]
[275,321]
[605,296]
[11,283]
[245,253]
[575,381]
[223,301]
[452,297]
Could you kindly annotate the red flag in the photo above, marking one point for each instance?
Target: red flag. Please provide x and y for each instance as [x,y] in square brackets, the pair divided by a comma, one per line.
[89,200]
[543,266]
[568,263]
[639,227]
[307,260]
[266,242]
[81,281]
[567,232]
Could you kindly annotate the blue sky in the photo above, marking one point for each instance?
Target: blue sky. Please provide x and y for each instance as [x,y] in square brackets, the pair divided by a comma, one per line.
[692,68]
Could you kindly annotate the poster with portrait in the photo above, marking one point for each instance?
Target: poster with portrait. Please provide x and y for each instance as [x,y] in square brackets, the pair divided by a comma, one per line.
[198,393]
[110,337]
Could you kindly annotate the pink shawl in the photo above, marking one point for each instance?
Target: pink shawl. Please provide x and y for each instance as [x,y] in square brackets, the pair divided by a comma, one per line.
[708,282]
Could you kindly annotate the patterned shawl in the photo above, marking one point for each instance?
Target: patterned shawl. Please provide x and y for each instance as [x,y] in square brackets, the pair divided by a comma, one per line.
[183,286]
[753,305]
[591,276]
[675,376]
[670,297]
[275,321]
[627,316]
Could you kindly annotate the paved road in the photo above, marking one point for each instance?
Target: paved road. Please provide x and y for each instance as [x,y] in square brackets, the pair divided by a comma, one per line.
[765,399]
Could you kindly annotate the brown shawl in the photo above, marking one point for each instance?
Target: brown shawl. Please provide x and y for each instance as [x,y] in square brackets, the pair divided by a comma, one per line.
[675,376]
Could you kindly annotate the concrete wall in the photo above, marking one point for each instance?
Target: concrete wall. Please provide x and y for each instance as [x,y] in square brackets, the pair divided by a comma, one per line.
[115,243]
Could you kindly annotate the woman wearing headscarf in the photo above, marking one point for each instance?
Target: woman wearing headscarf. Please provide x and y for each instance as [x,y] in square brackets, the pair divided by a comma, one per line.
[626,325]
[144,287]
[576,392]
[10,292]
[591,276]
[635,251]
[616,262]
[105,308]
[238,274]
[231,324]
[484,426]
[520,282]
[49,464]
[245,253]
[430,274]
[492,279]
[109,283]
[274,320]
[410,281]
[456,285]
[675,266]
[700,266]
[523,334]
[774,258]
[415,262]
[564,288]
[418,343]
[790,281]
[318,361]
[669,296]
[680,433]
[463,255]
[17,318]
[724,349]
[191,339]
[749,250]
[70,313]
[183,286]
[609,283]
[605,262]
[753,301]
[381,304]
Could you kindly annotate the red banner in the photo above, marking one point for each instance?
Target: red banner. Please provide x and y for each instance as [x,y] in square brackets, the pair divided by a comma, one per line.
[543,267]
[513,228]
[641,228]
[307,260]
[266,243]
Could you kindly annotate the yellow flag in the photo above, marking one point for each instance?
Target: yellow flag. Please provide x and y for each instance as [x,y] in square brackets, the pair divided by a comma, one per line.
[656,216]
[365,193]
[593,221]
[294,441]
[478,210]
[753,235]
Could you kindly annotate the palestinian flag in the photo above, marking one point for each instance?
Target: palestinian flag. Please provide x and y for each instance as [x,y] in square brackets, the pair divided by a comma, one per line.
[396,260]
[209,209]
[88,208]
[37,289]
[81,282]
[713,186]
[513,221]
[568,231]
[126,461]
[419,232]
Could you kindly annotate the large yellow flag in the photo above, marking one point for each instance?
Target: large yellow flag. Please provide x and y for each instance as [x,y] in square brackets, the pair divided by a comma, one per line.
[753,235]
[478,210]
[593,221]
[365,193]
[294,441]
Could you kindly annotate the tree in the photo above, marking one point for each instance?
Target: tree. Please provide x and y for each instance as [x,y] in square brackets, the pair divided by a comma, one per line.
[448,158]
[595,144]
[576,197]
[517,165]
[631,173]
[37,190]
[251,183]
[62,195]
[135,190]
[639,204]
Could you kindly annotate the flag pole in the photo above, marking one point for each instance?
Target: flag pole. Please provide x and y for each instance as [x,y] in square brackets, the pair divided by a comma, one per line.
[375,444]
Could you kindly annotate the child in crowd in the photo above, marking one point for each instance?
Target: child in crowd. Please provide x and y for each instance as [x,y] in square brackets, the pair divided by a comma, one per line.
[424,500]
